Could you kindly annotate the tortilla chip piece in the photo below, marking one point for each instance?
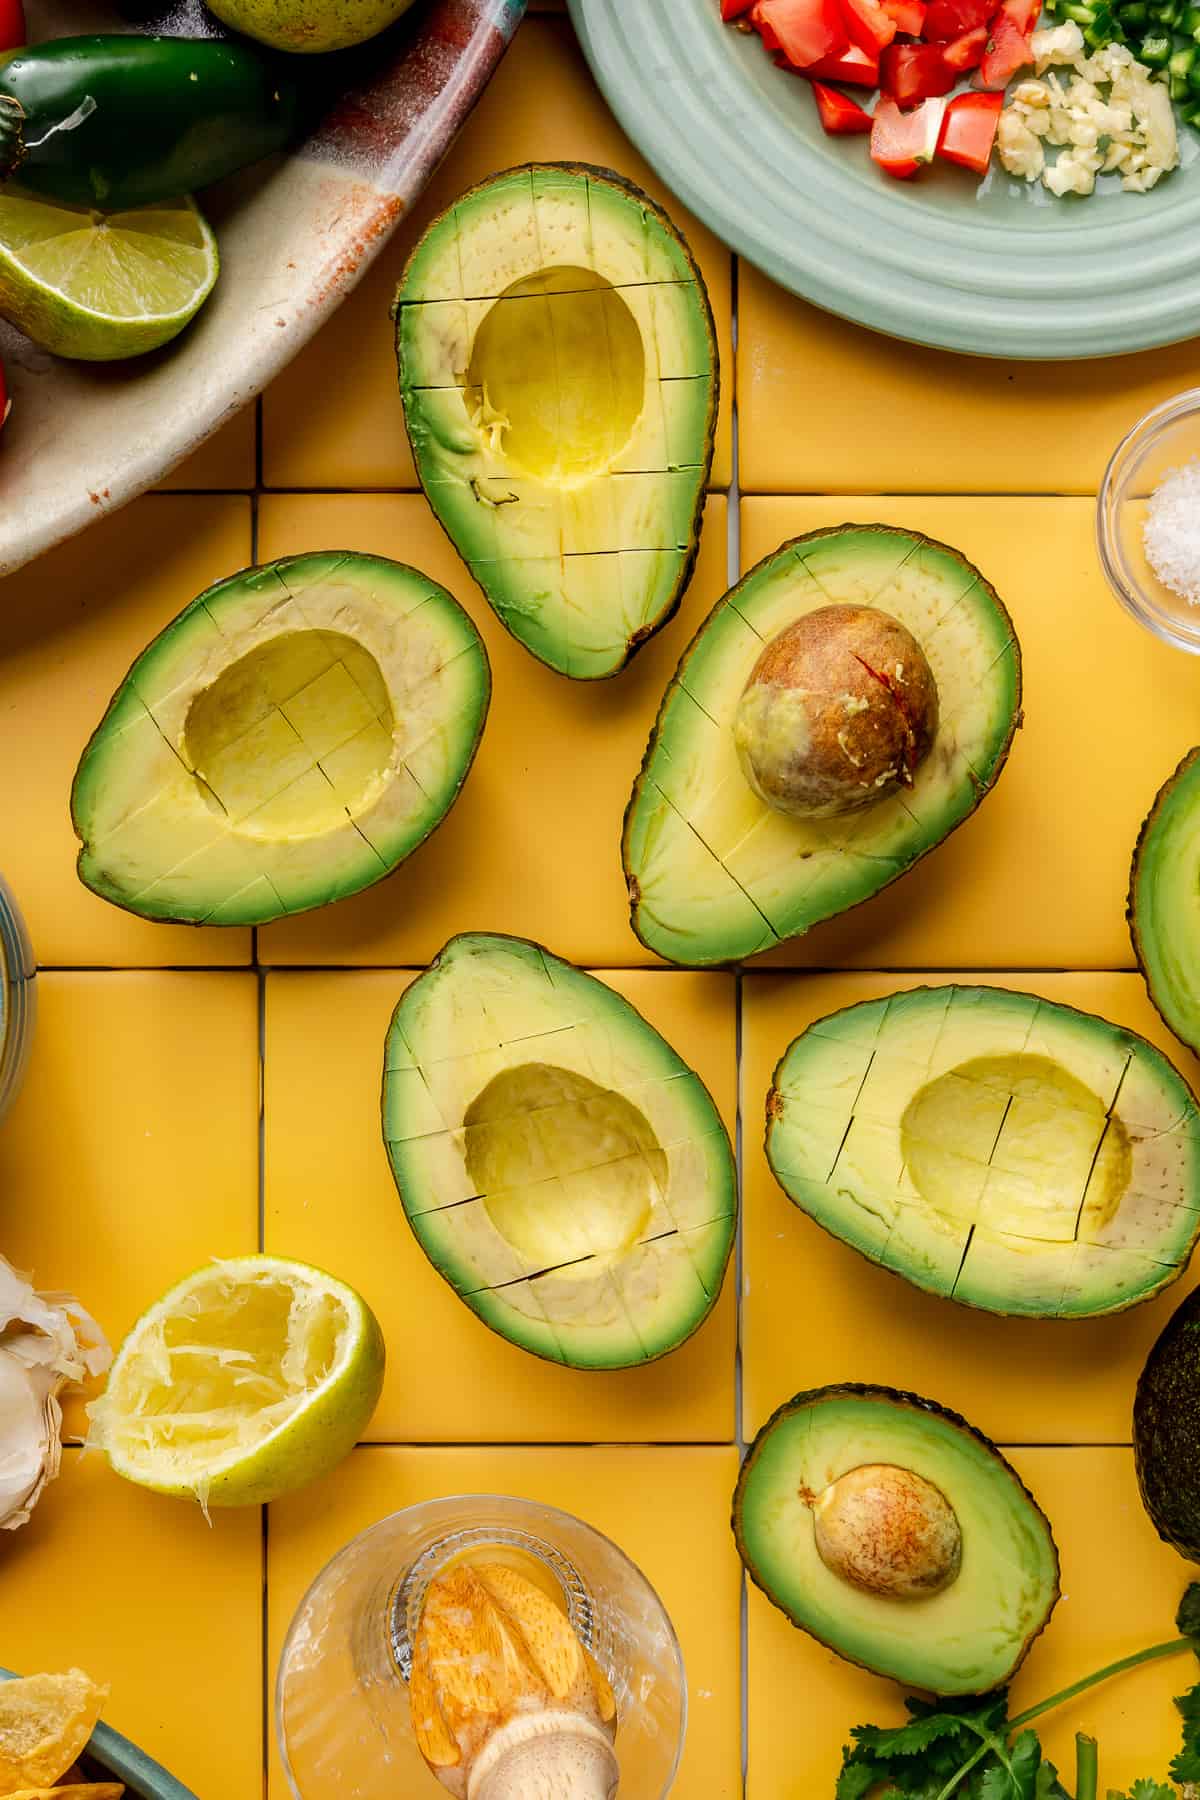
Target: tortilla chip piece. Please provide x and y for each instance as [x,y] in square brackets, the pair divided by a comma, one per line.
[85,1790]
[45,1721]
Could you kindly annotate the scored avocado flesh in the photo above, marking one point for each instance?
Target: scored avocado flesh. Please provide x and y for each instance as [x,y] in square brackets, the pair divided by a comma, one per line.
[993,1148]
[295,733]
[971,1635]
[1164,901]
[558,371]
[560,1165]
[714,873]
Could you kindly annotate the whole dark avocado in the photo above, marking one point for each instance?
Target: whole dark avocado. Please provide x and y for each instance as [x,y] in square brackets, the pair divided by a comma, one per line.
[1166,1431]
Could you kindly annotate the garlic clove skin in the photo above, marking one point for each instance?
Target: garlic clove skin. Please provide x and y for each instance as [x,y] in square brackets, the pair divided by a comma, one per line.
[46,1342]
[546,1756]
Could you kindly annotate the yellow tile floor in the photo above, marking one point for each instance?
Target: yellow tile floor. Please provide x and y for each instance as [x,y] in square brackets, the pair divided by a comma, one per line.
[139,1148]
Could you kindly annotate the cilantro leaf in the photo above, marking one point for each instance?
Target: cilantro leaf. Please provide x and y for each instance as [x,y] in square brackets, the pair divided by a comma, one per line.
[1152,1790]
[919,1760]
[1187,1619]
[1186,1766]
[1015,1775]
[1048,1786]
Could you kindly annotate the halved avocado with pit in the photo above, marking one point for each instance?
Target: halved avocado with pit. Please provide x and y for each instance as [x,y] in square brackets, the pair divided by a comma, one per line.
[993,1148]
[558,369]
[289,739]
[1164,901]
[898,1536]
[715,872]
[560,1165]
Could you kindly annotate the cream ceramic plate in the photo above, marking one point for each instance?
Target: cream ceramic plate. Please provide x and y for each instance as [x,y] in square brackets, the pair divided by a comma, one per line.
[994,268]
[295,236]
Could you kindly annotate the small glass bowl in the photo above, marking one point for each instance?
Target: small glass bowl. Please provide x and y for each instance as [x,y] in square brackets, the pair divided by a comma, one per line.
[16,998]
[1163,440]
[341,1696]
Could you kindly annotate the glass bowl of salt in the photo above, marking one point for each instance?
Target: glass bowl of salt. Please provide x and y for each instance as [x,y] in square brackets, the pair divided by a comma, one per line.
[1148,521]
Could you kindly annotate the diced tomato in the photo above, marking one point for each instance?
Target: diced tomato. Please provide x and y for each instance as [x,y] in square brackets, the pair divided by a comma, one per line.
[852,66]
[947,19]
[733,9]
[901,143]
[12,25]
[969,130]
[966,52]
[804,30]
[1023,13]
[867,25]
[909,73]
[909,15]
[763,28]
[1008,49]
[840,115]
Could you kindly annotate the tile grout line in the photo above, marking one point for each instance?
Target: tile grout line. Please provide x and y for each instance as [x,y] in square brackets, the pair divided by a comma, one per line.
[261,1219]
[733,555]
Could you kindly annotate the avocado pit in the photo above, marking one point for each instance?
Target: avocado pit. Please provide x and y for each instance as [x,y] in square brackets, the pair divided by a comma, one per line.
[839,711]
[887,1531]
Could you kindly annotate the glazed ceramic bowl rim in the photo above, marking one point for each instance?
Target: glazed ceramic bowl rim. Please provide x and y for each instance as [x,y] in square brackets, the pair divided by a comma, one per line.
[1123,466]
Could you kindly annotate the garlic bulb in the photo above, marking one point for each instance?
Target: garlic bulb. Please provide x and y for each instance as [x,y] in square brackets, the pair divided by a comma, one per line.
[46,1341]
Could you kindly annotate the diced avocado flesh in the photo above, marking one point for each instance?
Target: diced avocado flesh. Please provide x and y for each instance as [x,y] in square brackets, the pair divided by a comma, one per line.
[289,739]
[560,1165]
[965,1639]
[993,1148]
[558,371]
[714,873]
[1164,901]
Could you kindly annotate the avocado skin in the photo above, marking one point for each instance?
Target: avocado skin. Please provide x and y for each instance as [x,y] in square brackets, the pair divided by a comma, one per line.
[1141,848]
[901,1398]
[1166,1431]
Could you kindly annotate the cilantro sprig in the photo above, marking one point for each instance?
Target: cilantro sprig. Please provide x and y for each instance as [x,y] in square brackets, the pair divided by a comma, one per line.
[971,1749]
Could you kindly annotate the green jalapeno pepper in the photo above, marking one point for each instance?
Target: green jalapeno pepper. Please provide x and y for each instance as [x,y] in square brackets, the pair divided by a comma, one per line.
[117,121]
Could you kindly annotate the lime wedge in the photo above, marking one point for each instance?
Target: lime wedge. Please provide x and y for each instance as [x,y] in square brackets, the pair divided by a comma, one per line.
[249,1379]
[102,285]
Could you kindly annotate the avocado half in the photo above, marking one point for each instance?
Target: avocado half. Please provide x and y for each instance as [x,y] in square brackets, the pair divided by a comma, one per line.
[966,1636]
[716,874]
[560,1165]
[559,374]
[289,739]
[994,1148]
[1163,885]
[1166,1430]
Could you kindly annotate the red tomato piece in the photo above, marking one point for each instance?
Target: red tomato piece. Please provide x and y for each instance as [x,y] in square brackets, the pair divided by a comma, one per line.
[966,52]
[1008,49]
[12,25]
[840,115]
[770,42]
[902,142]
[804,30]
[5,402]
[867,25]
[947,19]
[909,73]
[909,15]
[969,130]
[1023,13]
[733,9]
[852,66]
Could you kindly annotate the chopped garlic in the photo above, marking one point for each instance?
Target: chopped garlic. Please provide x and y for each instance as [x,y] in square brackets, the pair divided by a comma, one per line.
[1130,131]
[46,1341]
[1171,532]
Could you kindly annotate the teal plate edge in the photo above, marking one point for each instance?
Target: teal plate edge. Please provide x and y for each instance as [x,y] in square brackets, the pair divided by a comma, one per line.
[117,1757]
[996,270]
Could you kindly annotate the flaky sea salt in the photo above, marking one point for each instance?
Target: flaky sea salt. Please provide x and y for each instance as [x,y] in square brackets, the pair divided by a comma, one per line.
[1171,533]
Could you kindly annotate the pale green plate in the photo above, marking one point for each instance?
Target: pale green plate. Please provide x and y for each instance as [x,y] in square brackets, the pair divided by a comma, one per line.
[995,269]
